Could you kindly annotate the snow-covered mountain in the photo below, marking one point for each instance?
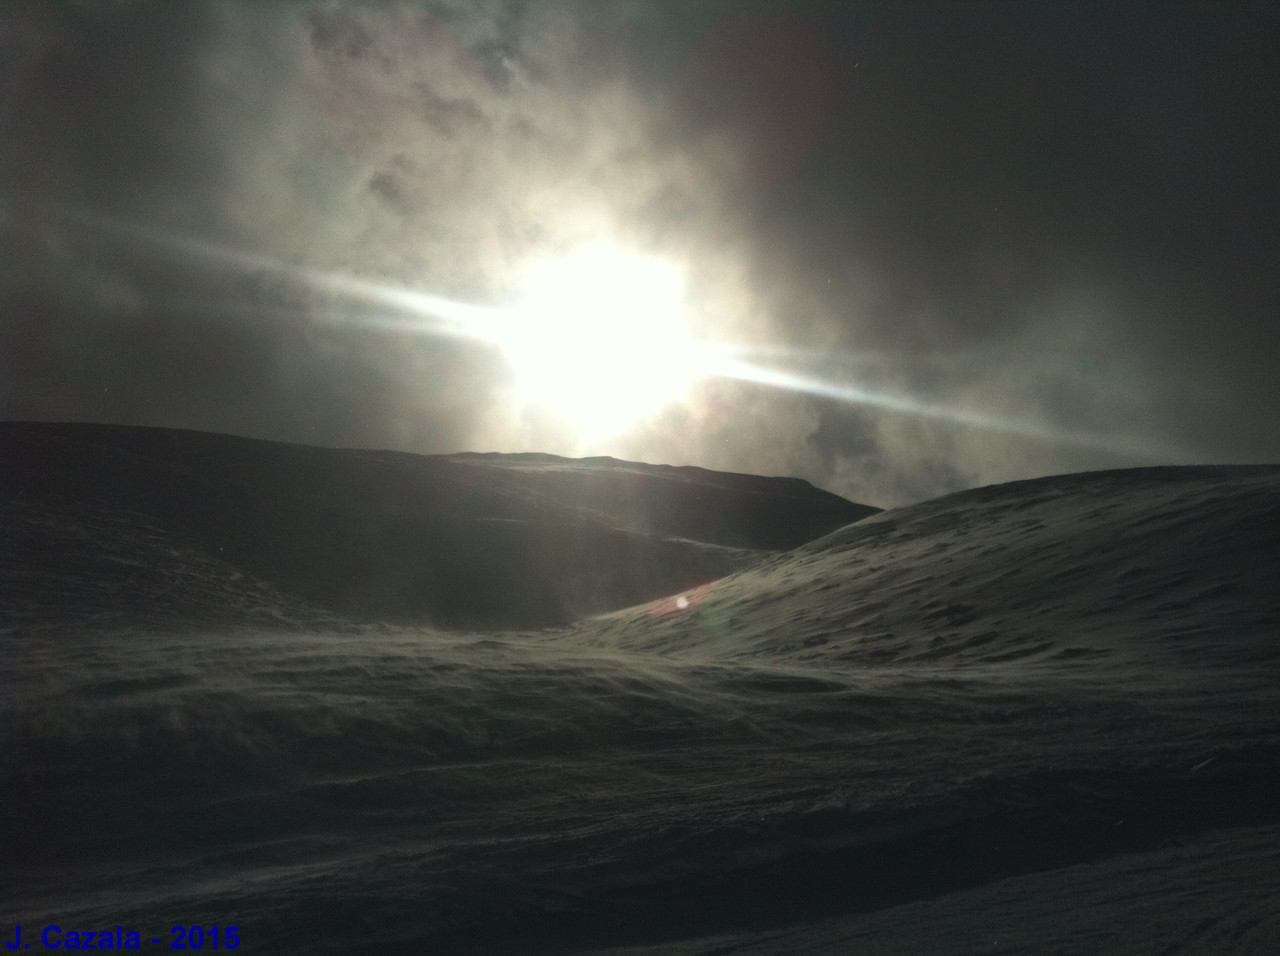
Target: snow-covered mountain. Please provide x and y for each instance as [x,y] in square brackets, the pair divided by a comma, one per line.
[1038,717]
[483,540]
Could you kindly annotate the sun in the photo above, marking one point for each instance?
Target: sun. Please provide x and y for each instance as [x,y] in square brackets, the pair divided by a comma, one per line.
[599,338]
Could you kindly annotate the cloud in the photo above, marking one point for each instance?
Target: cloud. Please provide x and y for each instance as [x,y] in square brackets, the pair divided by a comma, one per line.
[866,202]
[426,149]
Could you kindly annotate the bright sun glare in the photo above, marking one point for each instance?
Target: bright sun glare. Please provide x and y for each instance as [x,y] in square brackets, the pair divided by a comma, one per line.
[599,338]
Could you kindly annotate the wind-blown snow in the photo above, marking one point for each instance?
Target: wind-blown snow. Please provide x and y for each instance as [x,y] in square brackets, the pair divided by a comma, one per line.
[1038,717]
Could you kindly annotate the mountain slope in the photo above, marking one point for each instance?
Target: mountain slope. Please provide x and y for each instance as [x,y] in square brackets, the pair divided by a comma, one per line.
[298,533]
[1129,564]
[1049,708]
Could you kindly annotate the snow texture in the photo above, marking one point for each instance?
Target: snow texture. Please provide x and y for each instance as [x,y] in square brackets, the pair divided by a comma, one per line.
[351,701]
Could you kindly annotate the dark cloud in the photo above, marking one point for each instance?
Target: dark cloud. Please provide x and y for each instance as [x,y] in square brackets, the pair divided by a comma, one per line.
[1053,228]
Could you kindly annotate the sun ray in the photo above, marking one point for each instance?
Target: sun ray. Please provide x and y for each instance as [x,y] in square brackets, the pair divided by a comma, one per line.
[600,337]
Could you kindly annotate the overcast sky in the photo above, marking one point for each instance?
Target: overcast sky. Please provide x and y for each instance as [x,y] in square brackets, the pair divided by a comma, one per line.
[989,241]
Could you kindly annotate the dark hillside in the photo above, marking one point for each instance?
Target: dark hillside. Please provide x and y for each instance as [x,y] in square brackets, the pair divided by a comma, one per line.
[465,540]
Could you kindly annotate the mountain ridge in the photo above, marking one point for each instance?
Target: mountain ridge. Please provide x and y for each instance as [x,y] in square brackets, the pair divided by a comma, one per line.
[472,540]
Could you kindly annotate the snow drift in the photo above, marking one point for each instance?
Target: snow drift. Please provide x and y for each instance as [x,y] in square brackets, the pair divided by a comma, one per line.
[1036,717]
